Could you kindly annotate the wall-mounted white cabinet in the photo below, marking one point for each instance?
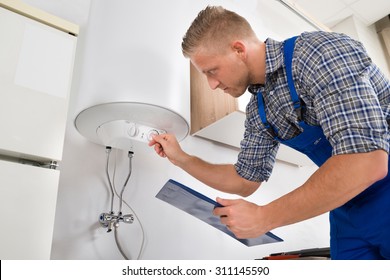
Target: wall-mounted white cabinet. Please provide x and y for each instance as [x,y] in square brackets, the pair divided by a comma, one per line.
[37,53]
[28,196]
[35,73]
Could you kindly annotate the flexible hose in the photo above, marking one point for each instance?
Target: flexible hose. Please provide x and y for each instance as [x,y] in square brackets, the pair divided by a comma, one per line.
[125,184]
[108,152]
[142,229]
[118,243]
[131,209]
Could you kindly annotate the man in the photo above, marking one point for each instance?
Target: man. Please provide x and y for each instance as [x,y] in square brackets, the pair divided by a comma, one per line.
[318,93]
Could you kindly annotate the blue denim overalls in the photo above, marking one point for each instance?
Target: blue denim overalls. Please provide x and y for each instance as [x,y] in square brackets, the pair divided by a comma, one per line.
[359,229]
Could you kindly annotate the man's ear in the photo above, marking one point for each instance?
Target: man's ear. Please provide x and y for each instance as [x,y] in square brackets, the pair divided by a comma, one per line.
[239,48]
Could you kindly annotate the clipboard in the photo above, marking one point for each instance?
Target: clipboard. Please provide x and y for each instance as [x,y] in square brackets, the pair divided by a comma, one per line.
[201,207]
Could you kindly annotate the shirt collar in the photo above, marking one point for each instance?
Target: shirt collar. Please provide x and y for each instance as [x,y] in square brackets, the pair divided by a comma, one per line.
[273,61]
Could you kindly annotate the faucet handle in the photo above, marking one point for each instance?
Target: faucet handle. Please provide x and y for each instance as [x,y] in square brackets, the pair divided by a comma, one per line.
[128,218]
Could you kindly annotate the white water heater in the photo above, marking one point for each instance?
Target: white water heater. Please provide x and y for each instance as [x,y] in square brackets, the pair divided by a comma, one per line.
[125,125]
[134,80]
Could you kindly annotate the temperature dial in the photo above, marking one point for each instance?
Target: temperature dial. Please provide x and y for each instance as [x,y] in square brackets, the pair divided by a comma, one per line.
[133,130]
[151,133]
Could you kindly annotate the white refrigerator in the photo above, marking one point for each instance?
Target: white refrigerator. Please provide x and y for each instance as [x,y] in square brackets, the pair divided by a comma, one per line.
[37,53]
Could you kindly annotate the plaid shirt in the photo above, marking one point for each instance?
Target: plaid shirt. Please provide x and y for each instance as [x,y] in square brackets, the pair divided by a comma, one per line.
[342,91]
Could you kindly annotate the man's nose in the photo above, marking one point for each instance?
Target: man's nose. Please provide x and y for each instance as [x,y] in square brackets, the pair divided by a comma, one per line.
[213,83]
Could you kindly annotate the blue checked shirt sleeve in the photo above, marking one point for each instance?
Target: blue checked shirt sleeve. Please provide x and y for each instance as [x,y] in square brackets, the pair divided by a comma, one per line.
[258,149]
[346,88]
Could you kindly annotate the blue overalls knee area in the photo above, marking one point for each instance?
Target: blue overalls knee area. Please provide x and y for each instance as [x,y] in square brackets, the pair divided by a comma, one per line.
[360,229]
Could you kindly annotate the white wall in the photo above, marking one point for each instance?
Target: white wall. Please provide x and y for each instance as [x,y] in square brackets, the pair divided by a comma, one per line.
[356,29]
[83,192]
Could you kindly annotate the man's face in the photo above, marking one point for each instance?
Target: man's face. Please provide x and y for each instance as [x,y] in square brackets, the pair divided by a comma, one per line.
[224,71]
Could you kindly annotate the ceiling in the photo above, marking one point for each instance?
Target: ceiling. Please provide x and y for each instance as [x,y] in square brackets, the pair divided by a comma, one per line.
[331,12]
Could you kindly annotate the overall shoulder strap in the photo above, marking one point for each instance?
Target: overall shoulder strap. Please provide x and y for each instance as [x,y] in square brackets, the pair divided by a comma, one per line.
[263,117]
[288,50]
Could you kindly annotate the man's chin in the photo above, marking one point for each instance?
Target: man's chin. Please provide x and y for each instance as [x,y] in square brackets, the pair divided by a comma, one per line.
[234,94]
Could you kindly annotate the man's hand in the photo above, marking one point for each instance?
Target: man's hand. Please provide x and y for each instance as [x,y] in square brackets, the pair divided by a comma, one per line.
[241,217]
[166,145]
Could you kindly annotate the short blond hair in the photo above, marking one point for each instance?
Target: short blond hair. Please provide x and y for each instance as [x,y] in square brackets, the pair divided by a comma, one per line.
[215,27]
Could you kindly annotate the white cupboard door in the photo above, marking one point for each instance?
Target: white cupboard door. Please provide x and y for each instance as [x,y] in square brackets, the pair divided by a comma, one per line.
[36,64]
[28,196]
